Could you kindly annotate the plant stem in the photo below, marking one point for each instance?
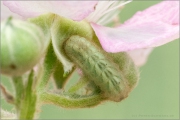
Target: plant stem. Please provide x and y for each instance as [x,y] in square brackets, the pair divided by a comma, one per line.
[25,98]
[19,88]
[28,104]
[71,101]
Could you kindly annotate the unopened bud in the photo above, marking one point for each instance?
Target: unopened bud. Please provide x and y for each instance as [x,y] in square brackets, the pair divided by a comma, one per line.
[22,46]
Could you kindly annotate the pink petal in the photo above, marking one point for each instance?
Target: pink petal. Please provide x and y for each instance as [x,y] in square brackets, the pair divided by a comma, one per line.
[166,11]
[76,10]
[140,56]
[155,26]
[5,13]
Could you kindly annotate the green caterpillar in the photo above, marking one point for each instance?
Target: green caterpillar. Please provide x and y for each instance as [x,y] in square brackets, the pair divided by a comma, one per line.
[113,73]
[98,67]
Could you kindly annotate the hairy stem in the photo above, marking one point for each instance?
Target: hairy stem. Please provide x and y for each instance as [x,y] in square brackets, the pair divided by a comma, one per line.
[71,101]
[28,103]
[19,88]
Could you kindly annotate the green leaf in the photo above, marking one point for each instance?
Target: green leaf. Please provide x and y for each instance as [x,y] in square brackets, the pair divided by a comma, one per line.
[60,77]
[47,69]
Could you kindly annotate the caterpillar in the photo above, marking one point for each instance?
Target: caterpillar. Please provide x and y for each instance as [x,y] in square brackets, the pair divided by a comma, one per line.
[97,66]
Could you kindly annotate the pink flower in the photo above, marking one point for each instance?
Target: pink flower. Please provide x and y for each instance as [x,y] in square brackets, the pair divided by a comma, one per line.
[152,27]
[5,12]
[155,26]
[69,9]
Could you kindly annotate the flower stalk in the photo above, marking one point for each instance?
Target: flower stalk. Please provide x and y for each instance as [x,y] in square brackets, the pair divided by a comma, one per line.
[71,100]
[19,88]
[25,97]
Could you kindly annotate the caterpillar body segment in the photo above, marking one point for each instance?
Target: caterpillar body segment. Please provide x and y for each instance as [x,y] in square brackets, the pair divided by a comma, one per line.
[97,66]
[127,66]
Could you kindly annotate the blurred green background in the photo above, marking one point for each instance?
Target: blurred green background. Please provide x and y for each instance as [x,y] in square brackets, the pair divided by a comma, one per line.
[155,97]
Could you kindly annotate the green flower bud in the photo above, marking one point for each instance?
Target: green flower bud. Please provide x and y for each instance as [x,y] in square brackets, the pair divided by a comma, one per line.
[22,46]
